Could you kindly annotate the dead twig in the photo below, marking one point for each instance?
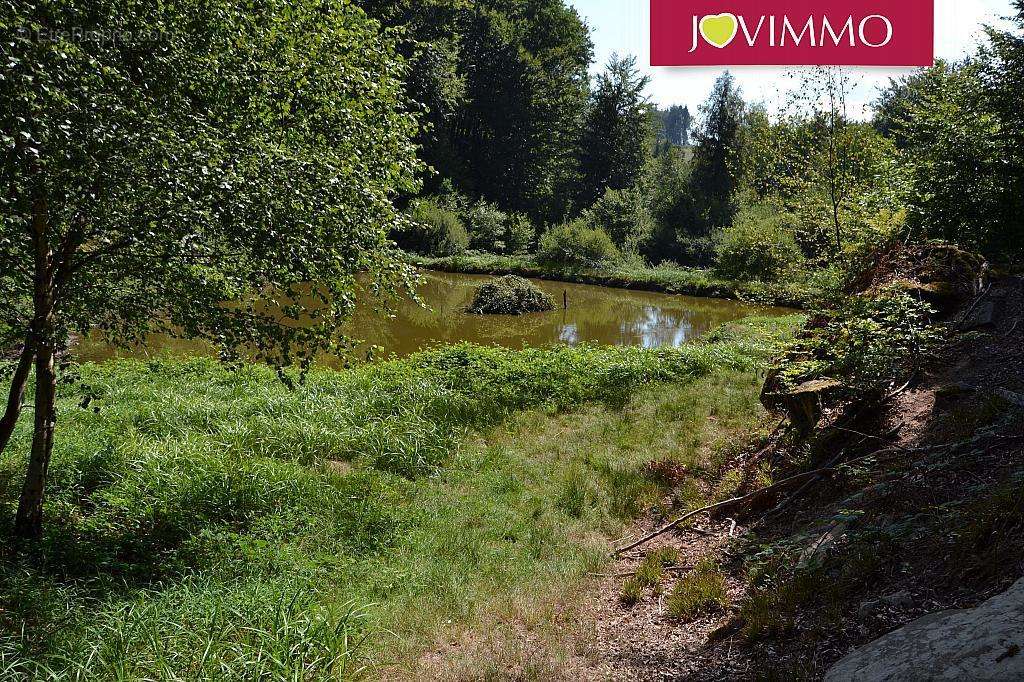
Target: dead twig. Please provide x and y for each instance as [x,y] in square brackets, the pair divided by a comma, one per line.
[630,574]
[866,436]
[785,503]
[803,478]
[799,478]
[901,389]
[967,315]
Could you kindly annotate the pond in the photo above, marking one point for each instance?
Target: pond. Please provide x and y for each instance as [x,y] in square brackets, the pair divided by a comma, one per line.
[595,314]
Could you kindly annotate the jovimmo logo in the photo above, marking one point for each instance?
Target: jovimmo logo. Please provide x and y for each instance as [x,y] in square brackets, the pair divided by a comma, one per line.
[792,32]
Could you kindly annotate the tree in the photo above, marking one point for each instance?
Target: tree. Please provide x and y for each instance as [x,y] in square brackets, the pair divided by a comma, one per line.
[715,170]
[962,128]
[618,132]
[1002,74]
[504,85]
[436,80]
[191,174]
[676,122]
[674,210]
[625,215]
[957,152]
[824,91]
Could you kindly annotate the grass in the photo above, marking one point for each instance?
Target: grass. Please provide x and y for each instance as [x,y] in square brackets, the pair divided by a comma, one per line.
[632,592]
[666,278]
[211,524]
[650,573]
[701,591]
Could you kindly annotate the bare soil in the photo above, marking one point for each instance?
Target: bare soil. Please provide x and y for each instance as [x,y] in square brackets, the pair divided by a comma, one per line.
[938,510]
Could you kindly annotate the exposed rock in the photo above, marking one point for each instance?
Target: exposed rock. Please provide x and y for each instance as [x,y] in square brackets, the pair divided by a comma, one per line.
[983,643]
[803,404]
[1010,397]
[984,316]
[824,543]
[899,601]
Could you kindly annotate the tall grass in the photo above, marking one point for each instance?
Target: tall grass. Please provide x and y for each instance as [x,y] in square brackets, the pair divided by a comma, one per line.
[203,523]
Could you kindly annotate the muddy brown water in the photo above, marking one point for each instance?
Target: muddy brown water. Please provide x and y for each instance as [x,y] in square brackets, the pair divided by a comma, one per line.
[595,314]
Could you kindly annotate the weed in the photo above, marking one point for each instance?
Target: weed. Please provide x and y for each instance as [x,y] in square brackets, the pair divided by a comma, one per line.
[986,533]
[650,572]
[701,591]
[632,591]
[666,556]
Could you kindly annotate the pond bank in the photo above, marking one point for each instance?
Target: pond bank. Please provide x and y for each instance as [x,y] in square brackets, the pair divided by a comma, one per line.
[662,279]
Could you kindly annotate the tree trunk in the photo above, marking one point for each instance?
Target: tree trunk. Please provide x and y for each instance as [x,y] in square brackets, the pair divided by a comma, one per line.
[29,523]
[835,219]
[17,394]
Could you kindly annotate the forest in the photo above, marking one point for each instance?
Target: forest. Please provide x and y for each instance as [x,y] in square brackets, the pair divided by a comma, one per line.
[241,175]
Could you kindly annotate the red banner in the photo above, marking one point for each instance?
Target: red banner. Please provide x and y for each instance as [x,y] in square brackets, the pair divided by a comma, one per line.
[792,32]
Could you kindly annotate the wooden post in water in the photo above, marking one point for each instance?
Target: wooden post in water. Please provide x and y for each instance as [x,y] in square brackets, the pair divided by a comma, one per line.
[565,299]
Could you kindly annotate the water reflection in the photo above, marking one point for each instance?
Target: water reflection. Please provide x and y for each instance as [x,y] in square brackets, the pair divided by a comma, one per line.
[595,314]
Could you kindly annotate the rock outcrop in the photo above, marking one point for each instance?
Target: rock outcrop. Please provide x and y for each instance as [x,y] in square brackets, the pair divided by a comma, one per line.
[984,643]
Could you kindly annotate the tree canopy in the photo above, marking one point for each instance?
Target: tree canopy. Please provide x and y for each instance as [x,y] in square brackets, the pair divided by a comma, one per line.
[189,169]
[715,172]
[505,88]
[618,132]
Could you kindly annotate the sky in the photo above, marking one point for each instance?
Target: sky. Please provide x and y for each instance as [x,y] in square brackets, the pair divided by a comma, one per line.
[622,26]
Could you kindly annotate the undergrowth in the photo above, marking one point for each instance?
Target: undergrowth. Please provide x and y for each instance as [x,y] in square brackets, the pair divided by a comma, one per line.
[669,278]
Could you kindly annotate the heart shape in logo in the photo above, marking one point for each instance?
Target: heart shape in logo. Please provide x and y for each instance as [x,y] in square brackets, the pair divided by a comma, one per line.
[719,29]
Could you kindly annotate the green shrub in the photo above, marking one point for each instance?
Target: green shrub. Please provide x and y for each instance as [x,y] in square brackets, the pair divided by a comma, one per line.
[760,245]
[485,224]
[701,591]
[520,234]
[625,216]
[697,251]
[869,342]
[433,231]
[577,244]
[510,295]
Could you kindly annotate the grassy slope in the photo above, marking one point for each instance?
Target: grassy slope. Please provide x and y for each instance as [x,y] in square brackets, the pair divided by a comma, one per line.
[206,523]
[668,279]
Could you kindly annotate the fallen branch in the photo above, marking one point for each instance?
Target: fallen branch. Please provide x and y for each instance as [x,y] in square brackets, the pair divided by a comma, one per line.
[814,479]
[799,478]
[631,574]
[804,478]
